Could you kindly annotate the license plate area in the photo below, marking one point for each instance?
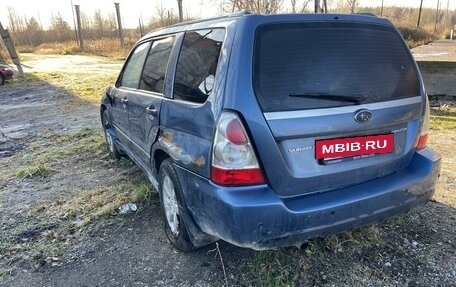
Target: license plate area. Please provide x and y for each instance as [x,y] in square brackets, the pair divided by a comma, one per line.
[352,147]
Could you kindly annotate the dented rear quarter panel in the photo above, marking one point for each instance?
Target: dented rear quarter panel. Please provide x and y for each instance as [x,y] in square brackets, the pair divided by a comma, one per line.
[187,139]
[187,129]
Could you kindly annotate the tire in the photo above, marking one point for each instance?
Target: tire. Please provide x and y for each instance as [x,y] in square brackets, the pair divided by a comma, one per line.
[111,145]
[173,206]
[2,80]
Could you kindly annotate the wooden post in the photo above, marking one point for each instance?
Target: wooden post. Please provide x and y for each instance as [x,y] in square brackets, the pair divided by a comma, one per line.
[181,14]
[317,6]
[436,16]
[74,23]
[11,50]
[119,24]
[141,31]
[78,19]
[419,14]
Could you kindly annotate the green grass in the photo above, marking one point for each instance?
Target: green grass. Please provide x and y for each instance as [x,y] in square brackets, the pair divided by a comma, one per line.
[443,119]
[38,170]
[86,86]
[443,123]
[425,257]
[293,267]
[272,268]
[44,158]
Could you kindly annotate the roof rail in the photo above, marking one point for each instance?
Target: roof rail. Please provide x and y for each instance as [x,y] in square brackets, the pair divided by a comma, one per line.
[239,13]
[235,14]
[366,14]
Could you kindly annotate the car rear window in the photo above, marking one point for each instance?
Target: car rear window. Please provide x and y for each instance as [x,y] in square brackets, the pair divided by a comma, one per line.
[197,64]
[296,63]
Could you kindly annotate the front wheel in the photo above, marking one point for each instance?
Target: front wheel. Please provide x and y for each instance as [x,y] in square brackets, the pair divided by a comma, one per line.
[2,80]
[111,145]
[171,203]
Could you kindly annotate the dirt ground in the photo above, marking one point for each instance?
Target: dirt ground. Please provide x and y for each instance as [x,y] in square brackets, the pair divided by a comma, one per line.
[441,50]
[40,122]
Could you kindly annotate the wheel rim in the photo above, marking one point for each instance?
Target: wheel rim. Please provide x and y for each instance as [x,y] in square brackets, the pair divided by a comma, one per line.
[108,137]
[170,205]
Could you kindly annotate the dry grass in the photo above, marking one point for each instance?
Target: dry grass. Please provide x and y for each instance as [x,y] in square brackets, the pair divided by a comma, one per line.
[416,37]
[106,47]
[90,205]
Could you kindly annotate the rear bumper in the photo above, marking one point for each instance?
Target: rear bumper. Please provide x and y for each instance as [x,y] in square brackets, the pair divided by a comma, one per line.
[255,217]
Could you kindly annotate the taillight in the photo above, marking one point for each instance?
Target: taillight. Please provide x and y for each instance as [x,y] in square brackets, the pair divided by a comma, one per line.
[233,159]
[422,140]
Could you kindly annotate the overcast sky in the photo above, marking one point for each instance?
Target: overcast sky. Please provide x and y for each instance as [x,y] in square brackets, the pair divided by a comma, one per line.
[132,10]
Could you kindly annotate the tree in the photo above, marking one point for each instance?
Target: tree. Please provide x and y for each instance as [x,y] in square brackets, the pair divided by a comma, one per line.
[34,32]
[163,17]
[296,9]
[353,4]
[254,6]
[17,26]
[60,29]
[103,26]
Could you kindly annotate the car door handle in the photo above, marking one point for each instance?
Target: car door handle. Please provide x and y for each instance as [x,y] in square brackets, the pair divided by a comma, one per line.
[124,100]
[151,110]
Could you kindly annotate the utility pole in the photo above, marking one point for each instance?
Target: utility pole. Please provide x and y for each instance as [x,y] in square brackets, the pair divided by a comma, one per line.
[78,19]
[436,16]
[119,23]
[74,24]
[181,16]
[141,31]
[419,14]
[10,47]
[325,6]
[317,6]
[381,10]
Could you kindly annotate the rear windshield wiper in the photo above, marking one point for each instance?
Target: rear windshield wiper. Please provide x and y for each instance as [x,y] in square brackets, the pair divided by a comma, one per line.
[355,98]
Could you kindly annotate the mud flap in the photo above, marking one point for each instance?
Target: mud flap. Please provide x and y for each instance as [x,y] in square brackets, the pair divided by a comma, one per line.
[197,236]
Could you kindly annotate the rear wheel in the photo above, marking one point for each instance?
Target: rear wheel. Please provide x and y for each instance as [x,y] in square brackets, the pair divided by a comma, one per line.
[2,80]
[172,205]
[111,145]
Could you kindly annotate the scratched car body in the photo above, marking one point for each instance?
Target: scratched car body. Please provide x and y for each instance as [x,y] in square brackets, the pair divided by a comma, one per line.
[268,130]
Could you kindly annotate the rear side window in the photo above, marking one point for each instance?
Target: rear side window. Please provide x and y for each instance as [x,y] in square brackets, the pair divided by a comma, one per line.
[132,70]
[153,75]
[197,64]
[296,63]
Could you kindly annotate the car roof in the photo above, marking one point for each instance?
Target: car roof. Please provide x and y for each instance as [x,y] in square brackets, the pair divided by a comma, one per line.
[224,21]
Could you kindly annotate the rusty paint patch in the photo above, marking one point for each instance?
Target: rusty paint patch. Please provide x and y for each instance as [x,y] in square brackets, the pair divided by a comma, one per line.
[178,154]
[199,162]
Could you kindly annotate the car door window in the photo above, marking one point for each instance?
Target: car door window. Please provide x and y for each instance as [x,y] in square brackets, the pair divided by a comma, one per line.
[132,71]
[153,75]
[197,64]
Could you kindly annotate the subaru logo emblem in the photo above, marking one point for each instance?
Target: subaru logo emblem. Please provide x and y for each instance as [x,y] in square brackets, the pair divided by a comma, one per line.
[363,116]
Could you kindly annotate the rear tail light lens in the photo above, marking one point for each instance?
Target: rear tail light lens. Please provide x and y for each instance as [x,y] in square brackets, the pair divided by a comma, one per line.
[422,140]
[233,159]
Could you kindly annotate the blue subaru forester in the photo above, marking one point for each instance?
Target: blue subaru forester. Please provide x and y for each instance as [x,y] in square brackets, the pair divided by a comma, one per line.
[267,130]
